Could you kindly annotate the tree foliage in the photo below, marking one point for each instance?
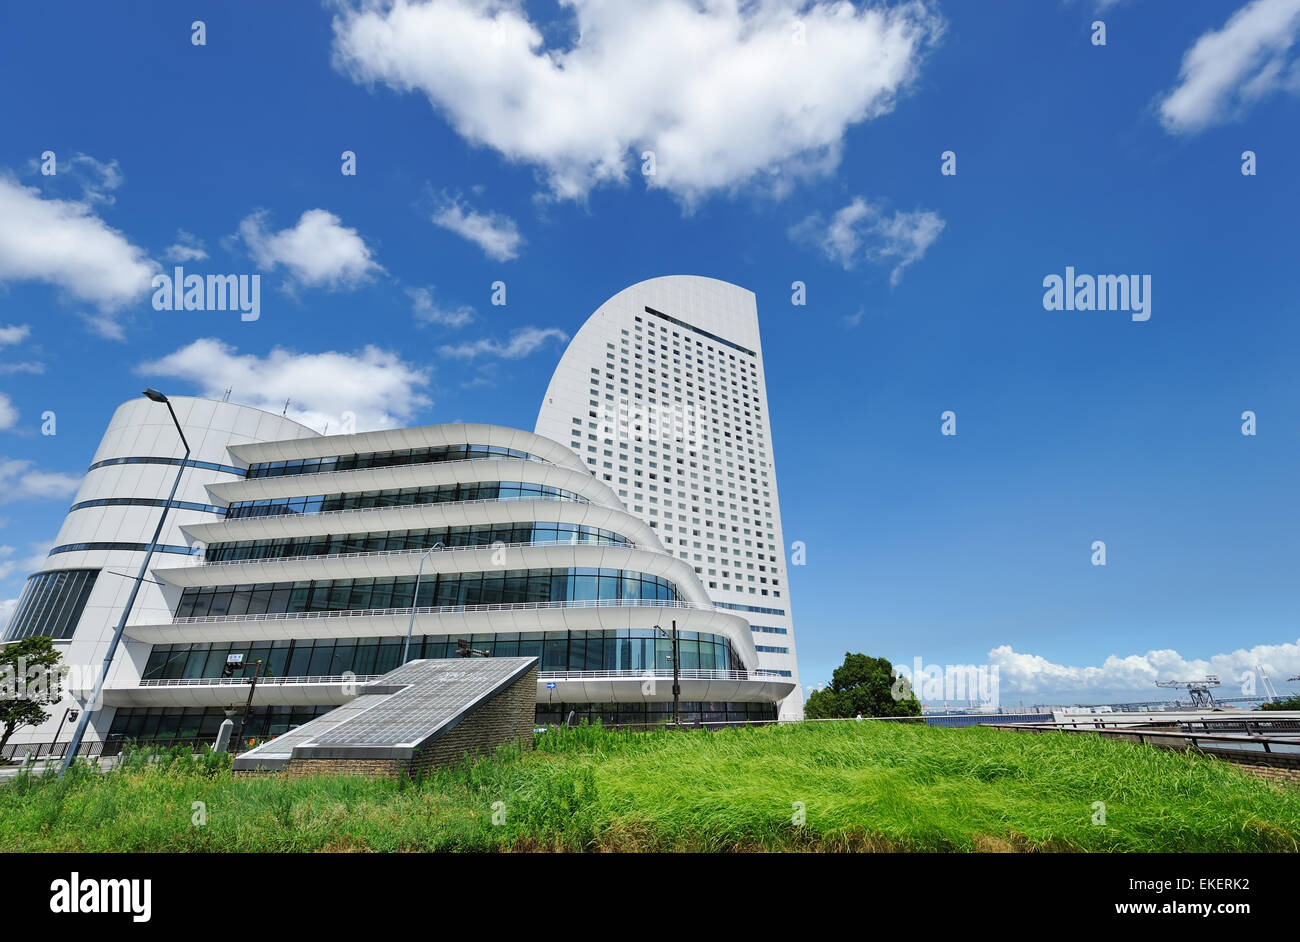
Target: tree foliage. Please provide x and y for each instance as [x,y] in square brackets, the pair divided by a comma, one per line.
[30,680]
[1290,703]
[863,686]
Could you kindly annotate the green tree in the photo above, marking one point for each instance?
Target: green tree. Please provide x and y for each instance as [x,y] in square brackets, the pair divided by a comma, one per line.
[1290,703]
[30,680]
[863,686]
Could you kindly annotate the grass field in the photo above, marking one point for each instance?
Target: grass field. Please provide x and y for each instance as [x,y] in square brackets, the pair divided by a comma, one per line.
[863,786]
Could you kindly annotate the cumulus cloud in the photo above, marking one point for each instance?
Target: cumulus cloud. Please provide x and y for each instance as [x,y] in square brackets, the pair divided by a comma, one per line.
[319,252]
[1229,69]
[7,607]
[98,178]
[63,243]
[429,311]
[522,342]
[375,386]
[8,413]
[495,234]
[1132,677]
[12,565]
[14,334]
[187,248]
[9,336]
[862,231]
[20,480]
[723,93]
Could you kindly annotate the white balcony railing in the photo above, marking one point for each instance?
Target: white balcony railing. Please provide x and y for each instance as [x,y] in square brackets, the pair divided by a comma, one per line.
[419,552]
[445,609]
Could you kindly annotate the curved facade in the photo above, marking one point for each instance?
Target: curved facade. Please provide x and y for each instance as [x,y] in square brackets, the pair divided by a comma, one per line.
[303,551]
[662,395]
[113,516]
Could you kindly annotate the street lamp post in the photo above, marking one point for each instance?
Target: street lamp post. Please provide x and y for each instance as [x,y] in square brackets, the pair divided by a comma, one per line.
[677,680]
[84,721]
[415,598]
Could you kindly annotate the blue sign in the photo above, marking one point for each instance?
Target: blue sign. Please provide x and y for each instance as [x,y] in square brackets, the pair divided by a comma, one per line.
[550,685]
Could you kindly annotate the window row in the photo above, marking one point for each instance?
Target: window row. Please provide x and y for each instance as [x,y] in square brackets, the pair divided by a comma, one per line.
[385,459]
[653,713]
[393,540]
[51,604]
[444,493]
[626,649]
[446,589]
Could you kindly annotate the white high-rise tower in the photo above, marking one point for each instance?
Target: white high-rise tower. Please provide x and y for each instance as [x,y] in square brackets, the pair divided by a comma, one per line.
[662,394]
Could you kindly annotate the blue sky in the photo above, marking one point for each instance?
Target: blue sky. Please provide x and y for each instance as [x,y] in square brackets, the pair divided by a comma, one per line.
[485,153]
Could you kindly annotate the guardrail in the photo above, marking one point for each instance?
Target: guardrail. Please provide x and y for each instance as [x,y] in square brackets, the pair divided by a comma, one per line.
[1290,745]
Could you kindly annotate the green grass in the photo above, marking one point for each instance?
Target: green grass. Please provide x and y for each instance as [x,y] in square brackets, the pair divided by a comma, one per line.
[865,786]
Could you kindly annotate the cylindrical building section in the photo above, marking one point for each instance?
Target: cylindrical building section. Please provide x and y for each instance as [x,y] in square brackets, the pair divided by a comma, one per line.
[78,594]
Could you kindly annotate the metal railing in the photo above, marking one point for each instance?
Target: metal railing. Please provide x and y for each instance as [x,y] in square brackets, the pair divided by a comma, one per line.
[332,514]
[261,681]
[1205,742]
[317,475]
[443,609]
[260,561]
[108,748]
[656,673]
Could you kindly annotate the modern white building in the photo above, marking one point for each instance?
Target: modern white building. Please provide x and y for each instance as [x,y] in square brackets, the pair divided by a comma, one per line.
[662,395]
[304,551]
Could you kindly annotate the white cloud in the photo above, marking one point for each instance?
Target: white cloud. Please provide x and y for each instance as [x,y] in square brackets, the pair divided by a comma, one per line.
[1229,69]
[376,386]
[522,342]
[187,248]
[21,567]
[722,92]
[862,231]
[319,252]
[429,311]
[1133,677]
[64,244]
[97,178]
[25,366]
[495,234]
[8,413]
[14,334]
[19,480]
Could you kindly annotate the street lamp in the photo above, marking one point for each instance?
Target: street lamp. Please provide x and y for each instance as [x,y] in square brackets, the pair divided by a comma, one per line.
[415,598]
[80,731]
[677,683]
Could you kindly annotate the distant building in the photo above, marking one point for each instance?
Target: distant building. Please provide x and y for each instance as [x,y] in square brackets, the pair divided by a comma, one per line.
[662,394]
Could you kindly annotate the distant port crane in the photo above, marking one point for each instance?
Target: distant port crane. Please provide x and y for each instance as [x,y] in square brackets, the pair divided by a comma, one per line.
[1198,690]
